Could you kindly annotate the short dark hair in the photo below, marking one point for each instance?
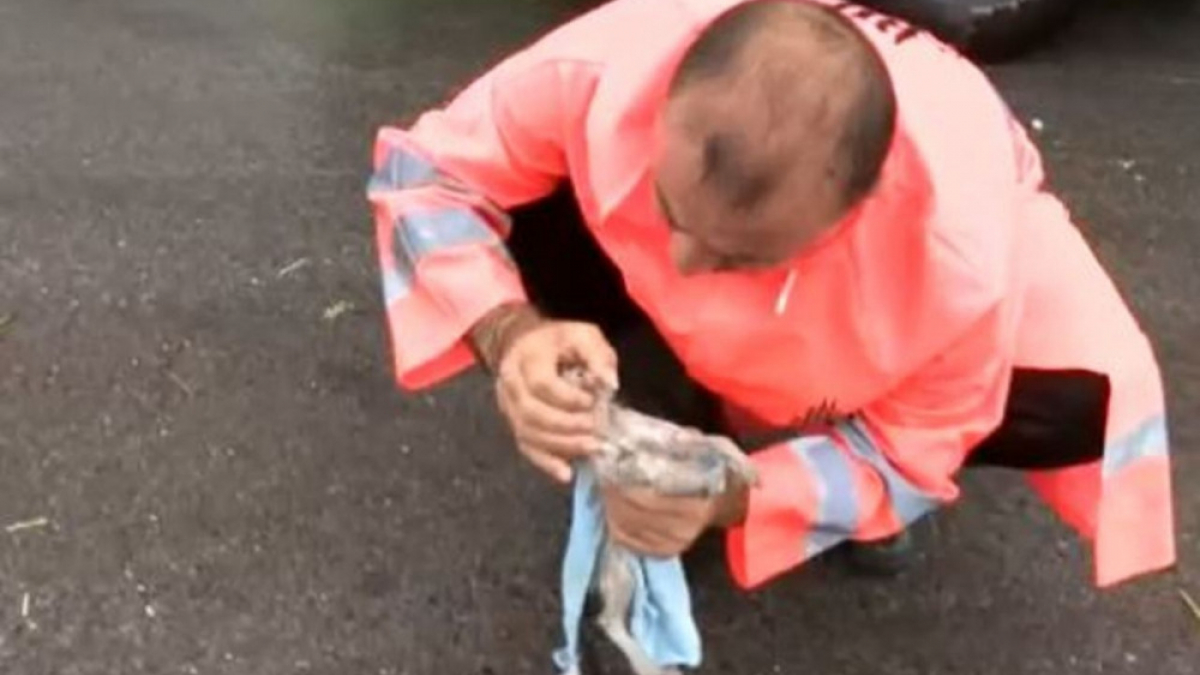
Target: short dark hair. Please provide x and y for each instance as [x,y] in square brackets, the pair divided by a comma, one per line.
[870,119]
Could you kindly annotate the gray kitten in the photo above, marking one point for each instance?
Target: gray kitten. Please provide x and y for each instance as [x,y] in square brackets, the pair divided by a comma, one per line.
[640,450]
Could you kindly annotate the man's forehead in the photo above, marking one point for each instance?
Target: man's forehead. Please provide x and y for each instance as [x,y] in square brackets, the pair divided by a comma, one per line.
[755,233]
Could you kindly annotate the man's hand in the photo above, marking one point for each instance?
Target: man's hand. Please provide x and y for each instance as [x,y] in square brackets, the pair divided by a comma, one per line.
[553,421]
[663,527]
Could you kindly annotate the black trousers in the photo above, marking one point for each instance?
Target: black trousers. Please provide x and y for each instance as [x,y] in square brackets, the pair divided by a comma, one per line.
[1053,418]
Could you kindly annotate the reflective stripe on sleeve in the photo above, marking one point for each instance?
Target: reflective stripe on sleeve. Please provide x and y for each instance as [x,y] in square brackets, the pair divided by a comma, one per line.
[908,502]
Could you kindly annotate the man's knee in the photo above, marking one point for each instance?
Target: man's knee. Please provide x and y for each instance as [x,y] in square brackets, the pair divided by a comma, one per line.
[1053,419]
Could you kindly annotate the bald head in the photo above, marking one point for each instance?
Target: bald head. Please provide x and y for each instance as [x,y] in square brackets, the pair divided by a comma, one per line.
[778,121]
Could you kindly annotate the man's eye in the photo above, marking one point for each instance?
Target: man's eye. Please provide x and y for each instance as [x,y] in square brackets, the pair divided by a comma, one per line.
[732,263]
[746,263]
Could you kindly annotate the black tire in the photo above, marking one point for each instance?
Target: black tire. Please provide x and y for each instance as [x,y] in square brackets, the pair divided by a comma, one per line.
[985,30]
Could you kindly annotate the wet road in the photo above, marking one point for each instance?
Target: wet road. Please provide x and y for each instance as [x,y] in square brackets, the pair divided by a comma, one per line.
[194,393]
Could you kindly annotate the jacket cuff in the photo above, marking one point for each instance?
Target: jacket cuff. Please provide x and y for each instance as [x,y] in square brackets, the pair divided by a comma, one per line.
[428,327]
[770,541]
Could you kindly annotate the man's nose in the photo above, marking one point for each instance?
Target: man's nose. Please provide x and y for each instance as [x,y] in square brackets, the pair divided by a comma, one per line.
[689,258]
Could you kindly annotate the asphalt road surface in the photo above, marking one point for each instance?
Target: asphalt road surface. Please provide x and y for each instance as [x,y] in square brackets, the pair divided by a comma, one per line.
[210,472]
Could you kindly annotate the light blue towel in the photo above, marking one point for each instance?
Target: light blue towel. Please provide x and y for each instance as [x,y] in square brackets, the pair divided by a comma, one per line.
[661,617]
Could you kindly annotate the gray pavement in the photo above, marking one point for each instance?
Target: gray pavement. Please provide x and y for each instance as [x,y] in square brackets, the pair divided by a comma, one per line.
[231,484]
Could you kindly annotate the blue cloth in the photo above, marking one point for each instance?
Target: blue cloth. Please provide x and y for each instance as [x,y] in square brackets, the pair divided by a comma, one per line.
[661,616]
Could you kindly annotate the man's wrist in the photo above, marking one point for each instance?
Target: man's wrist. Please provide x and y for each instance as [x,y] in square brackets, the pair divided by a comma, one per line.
[732,507]
[493,335]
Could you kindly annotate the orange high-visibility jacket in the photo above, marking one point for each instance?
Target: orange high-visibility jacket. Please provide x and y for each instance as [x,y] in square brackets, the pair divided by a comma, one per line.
[912,313]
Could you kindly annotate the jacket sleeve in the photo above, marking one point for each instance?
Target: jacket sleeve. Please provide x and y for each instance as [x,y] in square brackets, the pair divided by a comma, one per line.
[876,473]
[439,192]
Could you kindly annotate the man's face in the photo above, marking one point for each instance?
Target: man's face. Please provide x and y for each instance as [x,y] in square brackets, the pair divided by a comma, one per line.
[708,234]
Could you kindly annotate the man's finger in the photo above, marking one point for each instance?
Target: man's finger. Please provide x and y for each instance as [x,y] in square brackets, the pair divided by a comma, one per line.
[645,531]
[645,500]
[537,414]
[543,381]
[586,344]
[647,542]
[552,466]
[562,446]
[631,503]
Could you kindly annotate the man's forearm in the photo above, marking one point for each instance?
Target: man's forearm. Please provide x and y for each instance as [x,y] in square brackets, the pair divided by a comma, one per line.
[492,335]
